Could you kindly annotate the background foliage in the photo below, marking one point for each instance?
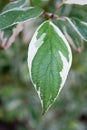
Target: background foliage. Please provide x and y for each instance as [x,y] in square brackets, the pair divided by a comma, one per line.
[20,108]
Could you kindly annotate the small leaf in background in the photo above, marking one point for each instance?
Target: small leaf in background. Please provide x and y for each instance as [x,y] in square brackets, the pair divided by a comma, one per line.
[15,4]
[49,60]
[8,23]
[79,26]
[12,17]
[79,2]
[81,14]
[8,36]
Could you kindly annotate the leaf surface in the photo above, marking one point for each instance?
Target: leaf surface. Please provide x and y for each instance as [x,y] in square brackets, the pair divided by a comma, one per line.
[15,4]
[79,26]
[8,35]
[49,60]
[12,17]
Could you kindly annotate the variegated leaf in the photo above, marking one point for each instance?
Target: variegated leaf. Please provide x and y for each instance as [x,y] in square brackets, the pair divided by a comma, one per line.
[13,17]
[15,4]
[49,61]
[79,26]
[9,20]
[8,35]
[79,2]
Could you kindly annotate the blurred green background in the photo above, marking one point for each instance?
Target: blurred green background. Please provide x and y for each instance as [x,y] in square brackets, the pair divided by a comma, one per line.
[20,107]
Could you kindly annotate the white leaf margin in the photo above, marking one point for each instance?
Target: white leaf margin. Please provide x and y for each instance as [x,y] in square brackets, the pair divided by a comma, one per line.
[19,9]
[8,6]
[33,48]
[79,2]
[73,25]
[7,42]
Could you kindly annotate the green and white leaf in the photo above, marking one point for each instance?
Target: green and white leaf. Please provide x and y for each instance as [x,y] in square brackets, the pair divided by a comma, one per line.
[8,35]
[49,61]
[79,2]
[79,26]
[13,17]
[4,36]
[71,34]
[15,4]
